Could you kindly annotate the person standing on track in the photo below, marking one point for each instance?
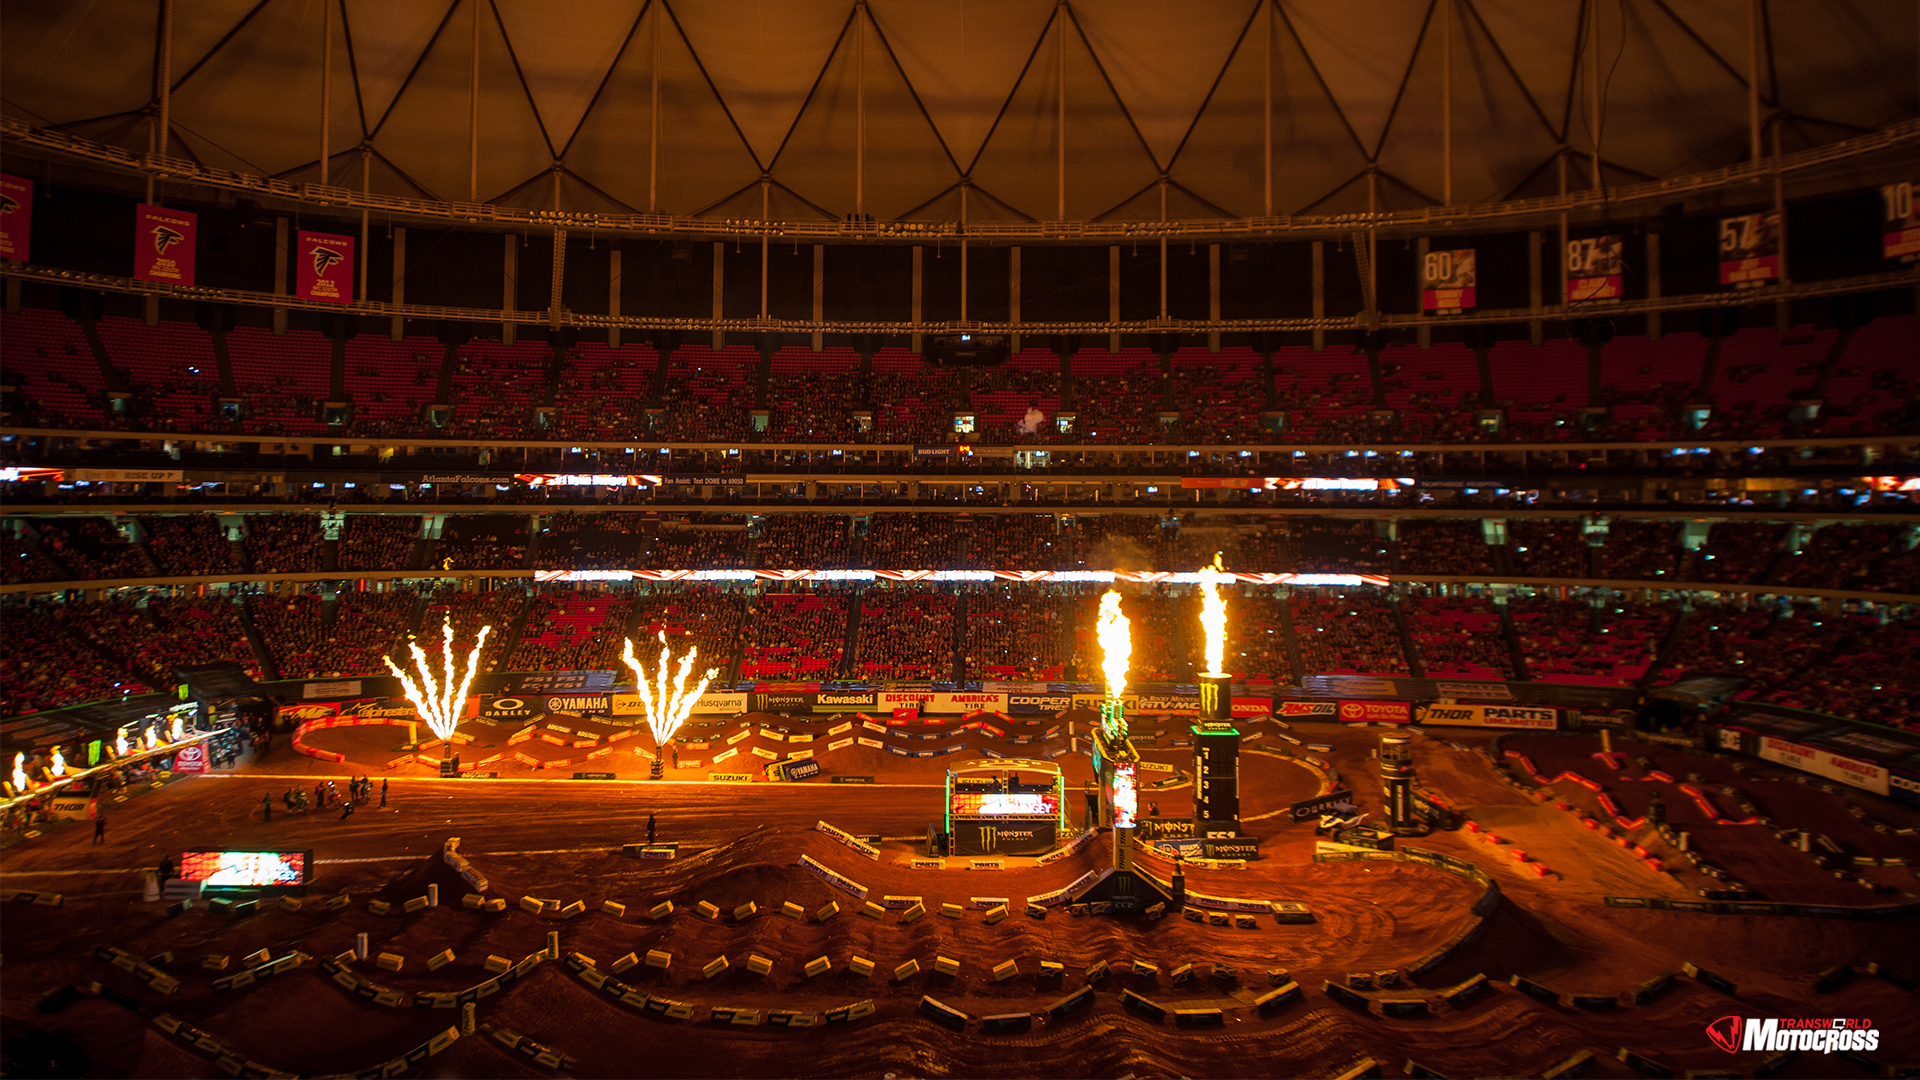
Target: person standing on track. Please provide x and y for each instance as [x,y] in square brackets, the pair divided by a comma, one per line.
[383,793]
[649,828]
[99,825]
[266,806]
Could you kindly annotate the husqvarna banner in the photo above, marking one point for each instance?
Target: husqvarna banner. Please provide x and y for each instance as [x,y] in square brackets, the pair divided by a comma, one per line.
[325,266]
[164,242]
[1494,716]
[16,218]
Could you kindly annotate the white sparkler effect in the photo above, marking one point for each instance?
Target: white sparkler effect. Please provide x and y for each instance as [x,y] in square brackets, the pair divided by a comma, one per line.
[440,702]
[153,735]
[179,730]
[58,766]
[667,708]
[121,748]
[1213,616]
[20,782]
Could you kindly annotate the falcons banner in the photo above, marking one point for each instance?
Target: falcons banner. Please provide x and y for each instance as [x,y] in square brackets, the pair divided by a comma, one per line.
[1593,269]
[16,217]
[1749,250]
[1447,281]
[163,245]
[325,262]
[1899,232]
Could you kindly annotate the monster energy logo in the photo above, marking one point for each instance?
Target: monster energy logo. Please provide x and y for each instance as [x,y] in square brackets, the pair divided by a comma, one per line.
[1209,699]
[1113,720]
[989,837]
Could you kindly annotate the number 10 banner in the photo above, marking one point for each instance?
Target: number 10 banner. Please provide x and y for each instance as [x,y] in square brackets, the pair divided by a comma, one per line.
[1900,231]
[1447,281]
[1749,250]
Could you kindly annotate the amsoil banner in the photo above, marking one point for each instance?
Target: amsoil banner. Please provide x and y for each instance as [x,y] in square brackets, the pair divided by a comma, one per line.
[1749,250]
[1306,708]
[325,265]
[1496,716]
[1389,712]
[164,243]
[16,218]
[1447,281]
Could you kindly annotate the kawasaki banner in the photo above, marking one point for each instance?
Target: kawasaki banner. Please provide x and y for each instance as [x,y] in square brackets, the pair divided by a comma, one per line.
[163,245]
[325,266]
[16,218]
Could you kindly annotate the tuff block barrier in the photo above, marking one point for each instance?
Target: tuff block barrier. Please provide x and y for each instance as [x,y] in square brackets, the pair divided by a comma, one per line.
[1280,996]
[940,1013]
[1072,1003]
[1141,1006]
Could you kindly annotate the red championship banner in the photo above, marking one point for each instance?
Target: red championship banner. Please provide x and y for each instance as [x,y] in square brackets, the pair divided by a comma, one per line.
[163,245]
[16,218]
[1593,269]
[1448,281]
[325,263]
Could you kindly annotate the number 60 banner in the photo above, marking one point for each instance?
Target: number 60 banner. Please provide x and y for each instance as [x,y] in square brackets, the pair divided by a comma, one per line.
[1749,250]
[1447,281]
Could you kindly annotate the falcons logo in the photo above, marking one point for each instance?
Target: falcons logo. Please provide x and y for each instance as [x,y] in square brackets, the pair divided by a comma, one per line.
[324,259]
[164,238]
[8,204]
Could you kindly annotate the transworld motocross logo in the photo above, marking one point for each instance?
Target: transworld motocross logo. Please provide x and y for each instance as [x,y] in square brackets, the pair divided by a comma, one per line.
[1725,1033]
[1811,1034]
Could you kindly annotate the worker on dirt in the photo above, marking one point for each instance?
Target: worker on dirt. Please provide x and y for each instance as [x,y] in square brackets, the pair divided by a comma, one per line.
[383,793]
[266,806]
[649,828]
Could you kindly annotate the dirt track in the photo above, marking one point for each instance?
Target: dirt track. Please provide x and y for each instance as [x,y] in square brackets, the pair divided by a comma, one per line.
[560,838]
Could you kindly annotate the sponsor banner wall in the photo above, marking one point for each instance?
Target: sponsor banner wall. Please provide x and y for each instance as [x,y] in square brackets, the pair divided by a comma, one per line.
[164,242]
[142,476]
[1848,770]
[1027,703]
[325,267]
[191,759]
[948,702]
[16,218]
[300,714]
[1252,706]
[843,702]
[1496,716]
[628,705]
[1478,691]
[576,703]
[340,688]
[1328,709]
[378,709]
[510,708]
[1374,712]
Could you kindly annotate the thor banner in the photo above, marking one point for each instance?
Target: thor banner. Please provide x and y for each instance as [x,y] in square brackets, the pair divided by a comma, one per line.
[16,218]
[325,264]
[164,244]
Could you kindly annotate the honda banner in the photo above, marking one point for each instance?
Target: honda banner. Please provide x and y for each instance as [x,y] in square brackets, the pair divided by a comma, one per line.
[163,245]
[16,218]
[325,265]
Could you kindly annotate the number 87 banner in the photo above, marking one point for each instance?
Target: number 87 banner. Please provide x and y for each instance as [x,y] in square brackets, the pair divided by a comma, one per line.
[1593,269]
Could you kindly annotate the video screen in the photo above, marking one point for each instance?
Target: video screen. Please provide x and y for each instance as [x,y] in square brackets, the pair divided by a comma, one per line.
[1005,804]
[245,868]
[1126,803]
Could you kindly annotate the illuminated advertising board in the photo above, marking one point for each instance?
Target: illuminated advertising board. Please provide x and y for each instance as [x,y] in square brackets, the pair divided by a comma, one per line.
[1036,804]
[1126,801]
[246,869]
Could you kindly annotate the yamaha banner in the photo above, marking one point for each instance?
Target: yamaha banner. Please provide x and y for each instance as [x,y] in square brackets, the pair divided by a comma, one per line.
[163,245]
[16,218]
[325,265]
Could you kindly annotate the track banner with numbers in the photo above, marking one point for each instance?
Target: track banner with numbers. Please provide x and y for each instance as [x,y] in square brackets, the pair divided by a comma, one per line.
[1900,226]
[325,265]
[1447,281]
[164,243]
[1593,269]
[16,218]
[1749,250]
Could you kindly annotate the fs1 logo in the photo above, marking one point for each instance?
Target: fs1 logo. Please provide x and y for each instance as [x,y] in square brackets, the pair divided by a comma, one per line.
[1811,1034]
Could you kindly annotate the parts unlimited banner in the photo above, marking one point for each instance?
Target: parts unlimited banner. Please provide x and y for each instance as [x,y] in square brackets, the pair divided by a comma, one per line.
[325,265]
[164,244]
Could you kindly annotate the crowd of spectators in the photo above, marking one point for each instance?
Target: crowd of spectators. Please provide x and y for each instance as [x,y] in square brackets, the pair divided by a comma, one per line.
[709,619]
[904,634]
[1458,637]
[1256,647]
[23,562]
[185,545]
[918,542]
[483,542]
[1838,557]
[43,667]
[91,549]
[569,630]
[1738,551]
[283,543]
[1444,547]
[1350,633]
[795,635]
[1720,640]
[1868,676]
[1118,542]
[805,542]
[1641,550]
[468,612]
[683,546]
[1015,635]
[588,542]
[1155,627]
[378,541]
[1547,549]
[308,642]
[1611,643]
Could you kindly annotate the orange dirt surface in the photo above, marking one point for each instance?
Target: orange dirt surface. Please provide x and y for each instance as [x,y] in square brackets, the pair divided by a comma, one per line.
[557,838]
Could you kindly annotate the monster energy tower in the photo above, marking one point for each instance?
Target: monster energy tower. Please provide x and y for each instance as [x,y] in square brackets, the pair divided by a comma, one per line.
[1216,761]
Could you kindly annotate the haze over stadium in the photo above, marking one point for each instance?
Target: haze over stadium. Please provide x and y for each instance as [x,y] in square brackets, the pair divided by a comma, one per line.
[1268,537]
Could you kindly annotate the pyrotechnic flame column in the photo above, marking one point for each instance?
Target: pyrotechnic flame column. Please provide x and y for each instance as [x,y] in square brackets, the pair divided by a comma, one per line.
[1216,760]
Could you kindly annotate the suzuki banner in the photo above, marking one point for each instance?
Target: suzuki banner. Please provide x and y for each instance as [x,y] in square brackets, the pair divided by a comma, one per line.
[16,218]
[1375,712]
[164,243]
[1495,716]
[325,266]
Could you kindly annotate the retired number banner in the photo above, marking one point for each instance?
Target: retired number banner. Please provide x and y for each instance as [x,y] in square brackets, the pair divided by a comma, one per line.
[1900,229]
[1447,281]
[1749,250]
[164,243]
[325,263]
[16,218]
[1593,269]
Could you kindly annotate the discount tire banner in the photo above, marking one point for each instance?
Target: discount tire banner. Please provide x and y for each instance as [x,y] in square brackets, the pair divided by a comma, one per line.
[325,266]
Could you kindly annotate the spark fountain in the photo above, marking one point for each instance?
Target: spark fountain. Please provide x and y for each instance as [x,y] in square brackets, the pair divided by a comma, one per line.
[667,708]
[439,701]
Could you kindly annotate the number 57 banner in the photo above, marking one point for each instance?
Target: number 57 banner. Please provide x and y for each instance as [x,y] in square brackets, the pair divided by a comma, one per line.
[1749,250]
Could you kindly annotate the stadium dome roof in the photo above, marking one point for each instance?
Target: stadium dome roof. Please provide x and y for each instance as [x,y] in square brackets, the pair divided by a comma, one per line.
[962,99]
